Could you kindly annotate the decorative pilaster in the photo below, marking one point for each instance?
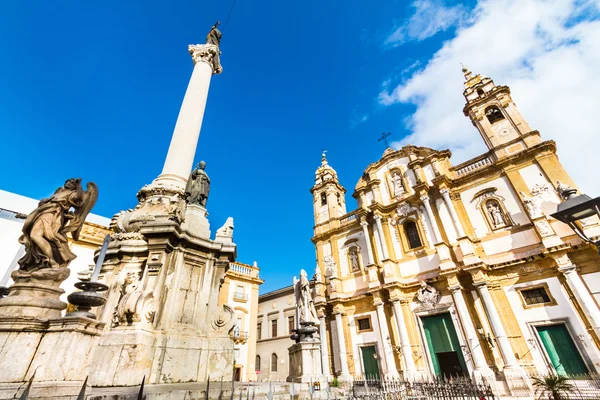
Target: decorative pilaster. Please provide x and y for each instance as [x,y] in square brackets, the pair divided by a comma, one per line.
[345,375]
[437,237]
[510,361]
[384,249]
[580,291]
[481,366]
[388,354]
[184,141]
[409,363]
[365,228]
[324,348]
[446,196]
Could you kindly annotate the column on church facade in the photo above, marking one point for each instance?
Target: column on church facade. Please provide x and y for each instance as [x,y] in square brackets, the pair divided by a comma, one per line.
[586,301]
[479,360]
[182,150]
[395,239]
[365,228]
[384,249]
[342,346]
[510,361]
[324,348]
[388,353]
[455,220]
[437,237]
[409,362]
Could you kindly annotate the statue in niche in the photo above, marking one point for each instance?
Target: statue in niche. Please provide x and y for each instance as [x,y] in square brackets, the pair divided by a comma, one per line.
[45,229]
[304,302]
[353,255]
[397,185]
[496,214]
[214,36]
[198,186]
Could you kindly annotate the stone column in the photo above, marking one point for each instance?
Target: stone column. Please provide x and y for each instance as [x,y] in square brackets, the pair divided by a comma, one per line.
[182,149]
[586,301]
[437,237]
[388,353]
[365,228]
[409,362]
[384,249]
[446,196]
[345,376]
[506,350]
[481,366]
[324,348]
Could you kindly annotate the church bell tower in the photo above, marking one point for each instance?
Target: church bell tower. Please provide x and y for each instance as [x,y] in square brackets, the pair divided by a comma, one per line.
[328,194]
[494,113]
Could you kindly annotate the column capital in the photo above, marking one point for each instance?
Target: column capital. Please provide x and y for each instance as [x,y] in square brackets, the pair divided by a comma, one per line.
[377,216]
[562,260]
[445,192]
[206,53]
[425,199]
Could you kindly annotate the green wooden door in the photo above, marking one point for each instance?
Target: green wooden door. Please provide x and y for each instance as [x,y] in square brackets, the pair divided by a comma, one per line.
[561,350]
[443,345]
[370,362]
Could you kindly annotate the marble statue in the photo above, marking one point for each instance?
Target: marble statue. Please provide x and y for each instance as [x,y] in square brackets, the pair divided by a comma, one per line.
[353,255]
[45,229]
[198,186]
[531,206]
[398,186]
[318,275]
[214,36]
[226,229]
[496,214]
[304,301]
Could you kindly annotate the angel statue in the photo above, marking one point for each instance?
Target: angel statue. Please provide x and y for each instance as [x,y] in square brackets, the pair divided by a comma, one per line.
[304,301]
[46,228]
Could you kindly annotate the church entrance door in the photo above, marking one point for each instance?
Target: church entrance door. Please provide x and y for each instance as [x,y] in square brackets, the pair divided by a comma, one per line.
[443,345]
[369,356]
[561,350]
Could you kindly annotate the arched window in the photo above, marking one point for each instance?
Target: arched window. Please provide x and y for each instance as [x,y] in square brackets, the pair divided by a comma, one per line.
[412,234]
[480,92]
[274,360]
[323,199]
[257,363]
[493,114]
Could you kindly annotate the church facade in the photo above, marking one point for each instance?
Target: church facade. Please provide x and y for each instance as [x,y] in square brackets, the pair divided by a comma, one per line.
[446,270]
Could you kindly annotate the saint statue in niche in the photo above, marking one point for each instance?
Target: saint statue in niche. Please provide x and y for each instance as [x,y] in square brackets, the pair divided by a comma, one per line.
[397,186]
[353,255]
[496,214]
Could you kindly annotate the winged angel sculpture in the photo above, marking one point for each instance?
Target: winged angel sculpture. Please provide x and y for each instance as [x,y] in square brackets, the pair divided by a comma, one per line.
[46,228]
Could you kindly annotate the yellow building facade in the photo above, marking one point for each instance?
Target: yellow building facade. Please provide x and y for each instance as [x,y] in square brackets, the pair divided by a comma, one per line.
[457,269]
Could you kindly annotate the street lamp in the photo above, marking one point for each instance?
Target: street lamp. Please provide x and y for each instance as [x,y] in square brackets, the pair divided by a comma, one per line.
[575,208]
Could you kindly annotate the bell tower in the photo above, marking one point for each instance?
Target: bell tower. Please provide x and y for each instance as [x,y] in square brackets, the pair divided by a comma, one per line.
[494,113]
[328,195]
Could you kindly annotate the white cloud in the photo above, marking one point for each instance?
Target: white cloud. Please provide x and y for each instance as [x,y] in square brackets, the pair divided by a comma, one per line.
[430,17]
[548,52]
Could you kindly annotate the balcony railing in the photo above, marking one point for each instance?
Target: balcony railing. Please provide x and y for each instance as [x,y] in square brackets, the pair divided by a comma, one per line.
[243,269]
[240,296]
[473,165]
[239,335]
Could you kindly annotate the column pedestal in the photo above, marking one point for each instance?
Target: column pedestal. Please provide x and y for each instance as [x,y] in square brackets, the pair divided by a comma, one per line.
[305,363]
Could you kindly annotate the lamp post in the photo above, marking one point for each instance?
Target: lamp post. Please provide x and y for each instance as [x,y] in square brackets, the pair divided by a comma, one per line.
[575,208]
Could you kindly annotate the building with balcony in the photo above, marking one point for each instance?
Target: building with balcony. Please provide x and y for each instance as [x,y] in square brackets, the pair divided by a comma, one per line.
[240,291]
[455,269]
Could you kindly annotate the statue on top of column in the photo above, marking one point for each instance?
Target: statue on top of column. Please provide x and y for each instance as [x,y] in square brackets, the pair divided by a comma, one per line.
[198,186]
[214,36]
[304,300]
[45,229]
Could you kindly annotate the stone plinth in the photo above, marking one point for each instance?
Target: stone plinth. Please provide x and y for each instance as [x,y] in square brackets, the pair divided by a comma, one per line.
[196,222]
[59,351]
[305,362]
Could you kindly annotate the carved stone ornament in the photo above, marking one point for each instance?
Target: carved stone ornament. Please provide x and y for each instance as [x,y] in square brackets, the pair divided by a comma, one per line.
[531,206]
[206,53]
[428,296]
[330,267]
[544,228]
[318,275]
[222,319]
[562,260]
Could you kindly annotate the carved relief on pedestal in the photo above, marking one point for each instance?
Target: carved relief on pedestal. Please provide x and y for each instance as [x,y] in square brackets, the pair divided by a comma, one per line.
[544,228]
[562,260]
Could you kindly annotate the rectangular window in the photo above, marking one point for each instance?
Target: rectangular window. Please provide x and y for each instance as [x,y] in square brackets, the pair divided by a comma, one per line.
[364,324]
[291,324]
[259,331]
[274,328]
[535,296]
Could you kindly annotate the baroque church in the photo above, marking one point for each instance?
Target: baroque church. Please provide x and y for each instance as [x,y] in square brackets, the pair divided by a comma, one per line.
[446,270]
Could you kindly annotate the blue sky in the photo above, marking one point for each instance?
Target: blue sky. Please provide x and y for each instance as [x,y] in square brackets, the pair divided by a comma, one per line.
[94,92]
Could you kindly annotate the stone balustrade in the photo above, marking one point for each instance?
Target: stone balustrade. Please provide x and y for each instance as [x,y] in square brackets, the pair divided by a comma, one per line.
[473,165]
[243,269]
